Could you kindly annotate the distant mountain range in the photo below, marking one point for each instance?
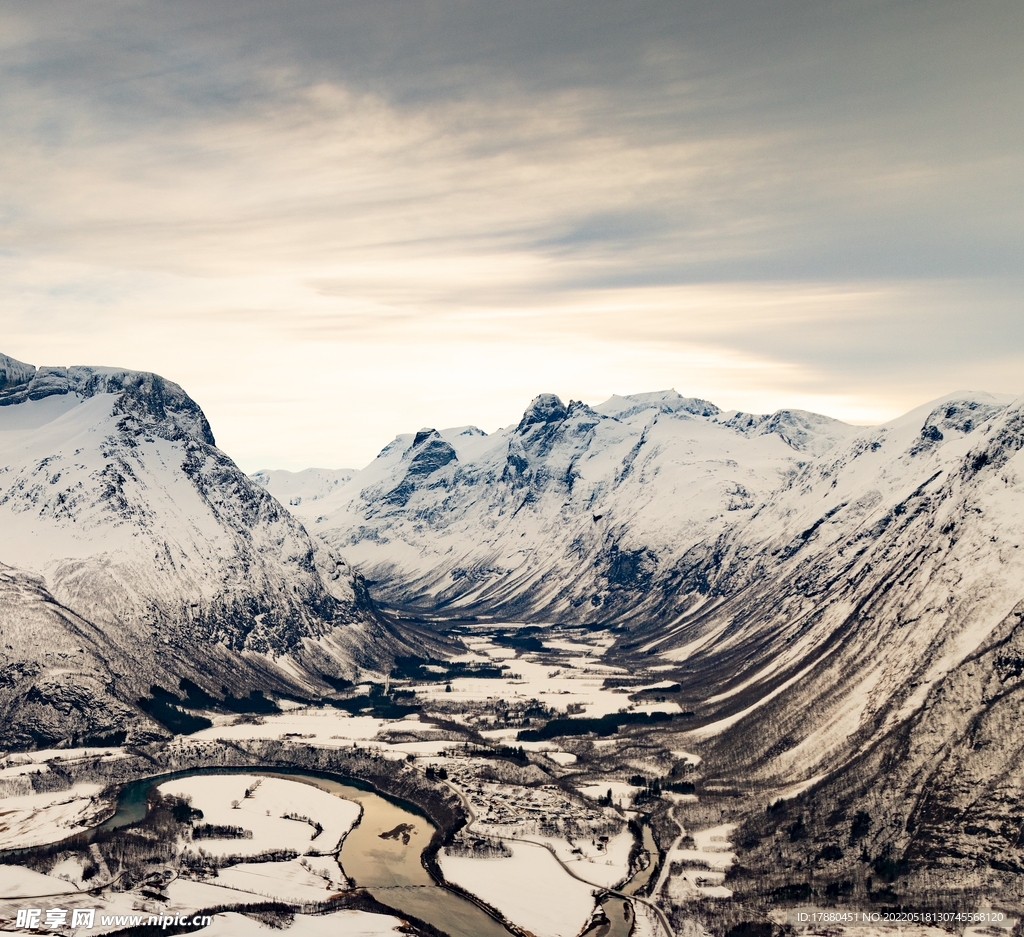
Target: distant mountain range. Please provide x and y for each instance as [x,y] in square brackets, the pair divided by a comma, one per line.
[576,512]
[834,601]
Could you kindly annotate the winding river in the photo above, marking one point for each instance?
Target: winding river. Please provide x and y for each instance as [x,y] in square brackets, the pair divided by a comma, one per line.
[389,869]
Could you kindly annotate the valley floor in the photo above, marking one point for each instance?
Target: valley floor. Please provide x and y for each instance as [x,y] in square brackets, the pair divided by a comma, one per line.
[538,827]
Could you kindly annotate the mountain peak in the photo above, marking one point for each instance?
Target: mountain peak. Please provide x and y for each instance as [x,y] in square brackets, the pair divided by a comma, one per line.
[161,405]
[663,401]
[423,435]
[544,408]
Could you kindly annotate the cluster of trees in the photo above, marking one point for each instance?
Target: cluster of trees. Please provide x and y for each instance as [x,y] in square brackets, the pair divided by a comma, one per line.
[219,831]
[478,848]
[200,860]
[318,827]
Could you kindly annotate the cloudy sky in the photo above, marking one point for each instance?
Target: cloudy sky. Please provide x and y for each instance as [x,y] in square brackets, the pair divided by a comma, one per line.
[335,221]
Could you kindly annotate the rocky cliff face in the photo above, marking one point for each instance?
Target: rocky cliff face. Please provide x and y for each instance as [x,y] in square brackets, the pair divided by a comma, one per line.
[117,504]
[59,682]
[831,614]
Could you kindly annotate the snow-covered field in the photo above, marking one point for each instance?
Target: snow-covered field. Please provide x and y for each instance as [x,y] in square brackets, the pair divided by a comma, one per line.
[279,813]
[575,678]
[529,888]
[39,890]
[300,880]
[187,894]
[561,758]
[340,924]
[326,727]
[37,819]
[606,864]
[17,882]
[22,763]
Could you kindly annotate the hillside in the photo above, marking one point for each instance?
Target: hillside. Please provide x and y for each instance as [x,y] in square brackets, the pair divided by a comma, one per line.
[122,520]
[810,588]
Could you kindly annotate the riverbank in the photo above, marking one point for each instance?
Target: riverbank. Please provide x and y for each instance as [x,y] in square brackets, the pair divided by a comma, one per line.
[409,798]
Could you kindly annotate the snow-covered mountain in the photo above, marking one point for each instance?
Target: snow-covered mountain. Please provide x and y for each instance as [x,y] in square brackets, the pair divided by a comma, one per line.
[311,484]
[574,512]
[129,539]
[810,583]
[875,572]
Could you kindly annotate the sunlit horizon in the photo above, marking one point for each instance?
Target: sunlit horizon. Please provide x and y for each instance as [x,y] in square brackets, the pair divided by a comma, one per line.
[331,226]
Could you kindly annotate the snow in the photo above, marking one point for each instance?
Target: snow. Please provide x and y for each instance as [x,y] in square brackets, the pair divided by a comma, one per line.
[188,895]
[17,882]
[686,756]
[622,793]
[296,880]
[347,922]
[562,758]
[606,867]
[523,519]
[326,727]
[704,866]
[558,682]
[645,922]
[648,464]
[29,762]
[294,488]
[263,813]
[711,848]
[137,523]
[653,472]
[530,888]
[72,442]
[107,902]
[70,870]
[793,790]
[37,819]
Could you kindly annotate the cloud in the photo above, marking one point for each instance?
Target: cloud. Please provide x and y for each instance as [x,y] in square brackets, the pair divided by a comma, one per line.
[429,211]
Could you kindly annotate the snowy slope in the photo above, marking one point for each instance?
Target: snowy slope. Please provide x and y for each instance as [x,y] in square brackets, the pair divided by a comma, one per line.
[830,615]
[572,512]
[312,484]
[113,493]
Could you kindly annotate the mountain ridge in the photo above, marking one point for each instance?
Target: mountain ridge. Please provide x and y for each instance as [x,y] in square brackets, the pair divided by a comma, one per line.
[518,460]
[838,608]
[116,502]
[746,550]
